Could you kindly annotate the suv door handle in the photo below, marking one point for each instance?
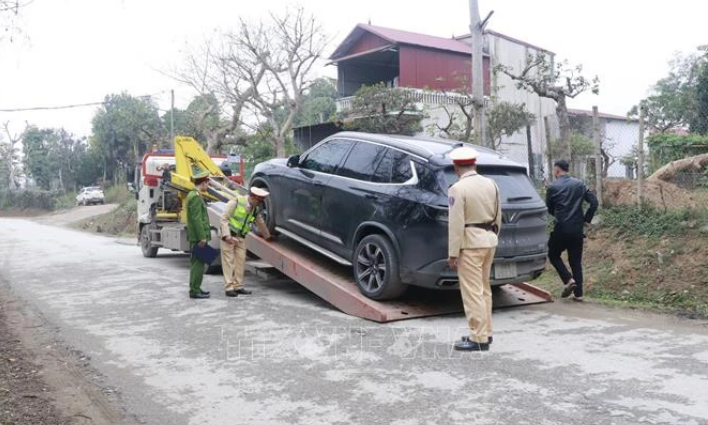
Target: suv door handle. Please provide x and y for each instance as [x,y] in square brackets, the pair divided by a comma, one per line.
[317,183]
[371,196]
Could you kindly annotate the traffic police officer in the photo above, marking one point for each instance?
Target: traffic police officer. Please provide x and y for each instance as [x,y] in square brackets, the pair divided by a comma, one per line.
[474,223]
[236,220]
[198,232]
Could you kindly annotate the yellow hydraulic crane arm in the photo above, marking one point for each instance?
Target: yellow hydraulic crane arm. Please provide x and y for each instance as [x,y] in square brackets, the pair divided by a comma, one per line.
[190,159]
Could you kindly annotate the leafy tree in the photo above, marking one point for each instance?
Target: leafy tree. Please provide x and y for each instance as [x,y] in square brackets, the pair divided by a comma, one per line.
[89,168]
[319,103]
[123,129]
[558,83]
[699,119]
[670,104]
[381,109]
[10,158]
[52,157]
[505,119]
[36,149]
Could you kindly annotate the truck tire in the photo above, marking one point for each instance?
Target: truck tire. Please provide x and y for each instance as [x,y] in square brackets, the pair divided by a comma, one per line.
[148,250]
[376,269]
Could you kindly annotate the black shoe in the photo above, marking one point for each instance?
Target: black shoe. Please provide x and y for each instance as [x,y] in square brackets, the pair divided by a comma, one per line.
[569,288]
[466,345]
[490,340]
[243,291]
[204,292]
[232,293]
[199,296]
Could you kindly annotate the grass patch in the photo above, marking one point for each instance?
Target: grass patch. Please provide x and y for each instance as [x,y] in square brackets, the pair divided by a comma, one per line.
[118,195]
[649,222]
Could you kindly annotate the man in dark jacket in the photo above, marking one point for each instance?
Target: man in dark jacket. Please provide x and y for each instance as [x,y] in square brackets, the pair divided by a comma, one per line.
[564,199]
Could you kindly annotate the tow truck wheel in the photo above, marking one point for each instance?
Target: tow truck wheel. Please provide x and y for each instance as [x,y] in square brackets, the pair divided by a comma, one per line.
[376,270]
[149,251]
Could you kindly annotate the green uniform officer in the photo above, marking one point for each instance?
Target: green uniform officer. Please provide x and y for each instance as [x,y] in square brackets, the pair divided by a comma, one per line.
[198,232]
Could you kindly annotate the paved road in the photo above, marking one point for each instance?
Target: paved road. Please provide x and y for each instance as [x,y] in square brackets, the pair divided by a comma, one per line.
[76,214]
[282,356]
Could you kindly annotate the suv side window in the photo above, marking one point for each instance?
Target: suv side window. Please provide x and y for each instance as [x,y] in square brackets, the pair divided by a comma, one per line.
[395,167]
[362,161]
[428,180]
[326,157]
[401,170]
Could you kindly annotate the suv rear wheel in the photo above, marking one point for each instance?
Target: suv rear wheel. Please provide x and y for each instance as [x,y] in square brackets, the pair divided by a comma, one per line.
[376,270]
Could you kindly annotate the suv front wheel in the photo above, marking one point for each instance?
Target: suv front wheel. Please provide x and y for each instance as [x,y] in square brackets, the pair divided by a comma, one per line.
[376,270]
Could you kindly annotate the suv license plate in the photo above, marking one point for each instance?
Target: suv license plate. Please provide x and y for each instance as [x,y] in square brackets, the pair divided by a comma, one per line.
[505,271]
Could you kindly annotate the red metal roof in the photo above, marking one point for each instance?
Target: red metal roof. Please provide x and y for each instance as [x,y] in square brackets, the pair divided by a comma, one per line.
[396,37]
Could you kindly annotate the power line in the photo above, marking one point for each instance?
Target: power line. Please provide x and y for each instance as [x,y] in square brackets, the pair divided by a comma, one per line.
[77,105]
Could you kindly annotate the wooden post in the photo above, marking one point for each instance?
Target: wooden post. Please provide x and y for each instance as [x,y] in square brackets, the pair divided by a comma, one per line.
[549,152]
[640,158]
[529,147]
[598,152]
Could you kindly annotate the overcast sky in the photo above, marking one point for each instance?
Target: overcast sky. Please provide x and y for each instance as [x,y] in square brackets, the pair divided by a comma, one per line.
[77,51]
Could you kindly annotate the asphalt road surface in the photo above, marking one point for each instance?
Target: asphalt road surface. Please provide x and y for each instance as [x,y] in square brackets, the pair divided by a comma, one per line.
[282,356]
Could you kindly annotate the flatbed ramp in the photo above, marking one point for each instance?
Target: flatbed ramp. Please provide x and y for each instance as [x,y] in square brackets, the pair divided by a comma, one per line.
[334,284]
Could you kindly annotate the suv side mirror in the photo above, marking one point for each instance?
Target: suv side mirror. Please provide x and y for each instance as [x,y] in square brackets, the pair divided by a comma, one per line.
[293,161]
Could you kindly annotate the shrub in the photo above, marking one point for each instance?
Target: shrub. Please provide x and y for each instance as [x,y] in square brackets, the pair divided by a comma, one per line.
[648,222]
[28,199]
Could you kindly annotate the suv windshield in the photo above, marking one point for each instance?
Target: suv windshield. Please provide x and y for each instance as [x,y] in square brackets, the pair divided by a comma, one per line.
[513,183]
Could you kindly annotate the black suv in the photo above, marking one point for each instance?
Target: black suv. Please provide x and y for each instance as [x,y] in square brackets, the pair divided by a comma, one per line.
[379,203]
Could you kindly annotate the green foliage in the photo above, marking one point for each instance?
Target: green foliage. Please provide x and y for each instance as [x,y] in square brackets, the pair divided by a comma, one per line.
[581,146]
[118,194]
[505,119]
[672,102]
[28,199]
[699,120]
[649,222]
[259,147]
[381,109]
[667,147]
[319,104]
[123,128]
[52,157]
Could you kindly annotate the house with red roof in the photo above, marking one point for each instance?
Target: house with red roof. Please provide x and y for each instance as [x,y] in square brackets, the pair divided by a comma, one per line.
[434,70]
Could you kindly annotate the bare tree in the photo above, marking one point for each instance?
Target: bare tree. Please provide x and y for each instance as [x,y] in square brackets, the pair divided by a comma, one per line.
[259,73]
[13,151]
[295,42]
[225,75]
[558,83]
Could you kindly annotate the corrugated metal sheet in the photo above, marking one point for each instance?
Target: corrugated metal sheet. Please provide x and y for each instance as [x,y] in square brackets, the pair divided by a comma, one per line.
[437,70]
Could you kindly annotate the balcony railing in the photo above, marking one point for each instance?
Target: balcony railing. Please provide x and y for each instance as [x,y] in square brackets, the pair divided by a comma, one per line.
[419,96]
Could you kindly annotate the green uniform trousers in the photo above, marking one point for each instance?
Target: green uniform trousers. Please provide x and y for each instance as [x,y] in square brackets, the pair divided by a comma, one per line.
[196,274]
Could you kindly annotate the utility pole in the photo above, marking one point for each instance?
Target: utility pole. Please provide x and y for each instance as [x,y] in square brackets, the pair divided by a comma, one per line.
[597,138]
[640,157]
[172,116]
[477,33]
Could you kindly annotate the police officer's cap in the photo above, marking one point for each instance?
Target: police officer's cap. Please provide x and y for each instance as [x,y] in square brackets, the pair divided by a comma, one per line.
[200,177]
[464,156]
[259,193]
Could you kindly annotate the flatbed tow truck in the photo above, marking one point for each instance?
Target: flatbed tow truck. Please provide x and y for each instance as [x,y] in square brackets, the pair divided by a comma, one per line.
[330,281]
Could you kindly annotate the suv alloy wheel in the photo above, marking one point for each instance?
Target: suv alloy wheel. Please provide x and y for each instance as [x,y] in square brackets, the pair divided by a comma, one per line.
[376,270]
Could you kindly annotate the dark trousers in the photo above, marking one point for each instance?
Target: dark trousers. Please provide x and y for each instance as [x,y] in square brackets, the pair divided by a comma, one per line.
[573,243]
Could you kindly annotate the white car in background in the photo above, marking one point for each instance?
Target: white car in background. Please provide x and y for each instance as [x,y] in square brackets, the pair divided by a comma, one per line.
[90,195]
